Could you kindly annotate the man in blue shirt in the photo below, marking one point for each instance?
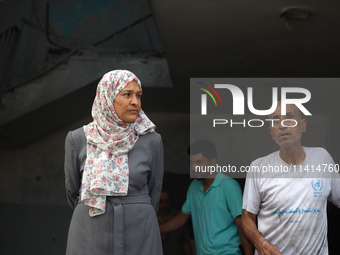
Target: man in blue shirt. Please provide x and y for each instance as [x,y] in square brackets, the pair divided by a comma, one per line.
[214,202]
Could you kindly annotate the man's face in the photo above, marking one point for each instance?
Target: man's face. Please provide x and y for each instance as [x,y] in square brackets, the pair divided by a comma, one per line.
[287,136]
[164,204]
[198,163]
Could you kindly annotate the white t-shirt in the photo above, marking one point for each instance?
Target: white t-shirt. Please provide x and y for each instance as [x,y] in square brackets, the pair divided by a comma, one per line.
[292,212]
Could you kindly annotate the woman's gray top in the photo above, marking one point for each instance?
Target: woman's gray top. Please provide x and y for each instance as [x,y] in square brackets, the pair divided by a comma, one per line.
[129,225]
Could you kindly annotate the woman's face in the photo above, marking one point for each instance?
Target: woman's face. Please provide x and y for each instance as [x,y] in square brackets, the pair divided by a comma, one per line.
[127,103]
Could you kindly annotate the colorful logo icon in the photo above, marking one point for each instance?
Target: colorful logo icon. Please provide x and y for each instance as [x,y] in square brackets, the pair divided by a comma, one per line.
[204,97]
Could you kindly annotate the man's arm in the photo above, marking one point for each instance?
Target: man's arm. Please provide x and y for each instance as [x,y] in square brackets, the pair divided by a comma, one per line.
[175,223]
[247,247]
[187,248]
[249,229]
[186,240]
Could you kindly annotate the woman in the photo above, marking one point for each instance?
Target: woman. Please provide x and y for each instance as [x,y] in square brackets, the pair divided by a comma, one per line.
[113,174]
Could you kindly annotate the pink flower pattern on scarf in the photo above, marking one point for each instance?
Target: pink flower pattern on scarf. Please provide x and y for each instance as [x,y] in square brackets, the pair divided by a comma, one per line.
[109,139]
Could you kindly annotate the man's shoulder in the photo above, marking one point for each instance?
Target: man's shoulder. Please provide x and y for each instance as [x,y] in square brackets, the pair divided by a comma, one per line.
[230,185]
[312,151]
[315,150]
[226,180]
[318,153]
[266,159]
[195,184]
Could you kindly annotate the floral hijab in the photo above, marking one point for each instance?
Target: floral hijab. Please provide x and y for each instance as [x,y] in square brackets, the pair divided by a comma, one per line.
[109,139]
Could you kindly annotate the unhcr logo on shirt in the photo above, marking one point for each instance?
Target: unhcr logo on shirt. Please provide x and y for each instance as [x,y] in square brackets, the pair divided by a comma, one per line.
[317,185]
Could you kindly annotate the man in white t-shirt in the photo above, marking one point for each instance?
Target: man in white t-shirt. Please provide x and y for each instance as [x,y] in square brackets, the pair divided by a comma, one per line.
[286,193]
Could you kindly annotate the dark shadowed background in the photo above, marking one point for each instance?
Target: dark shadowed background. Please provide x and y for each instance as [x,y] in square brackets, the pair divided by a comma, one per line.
[52,55]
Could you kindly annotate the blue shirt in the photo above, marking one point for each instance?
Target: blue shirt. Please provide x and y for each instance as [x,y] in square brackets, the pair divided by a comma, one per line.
[213,214]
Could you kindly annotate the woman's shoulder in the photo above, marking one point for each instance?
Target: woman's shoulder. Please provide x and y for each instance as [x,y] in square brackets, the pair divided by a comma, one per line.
[77,136]
[152,139]
[152,136]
